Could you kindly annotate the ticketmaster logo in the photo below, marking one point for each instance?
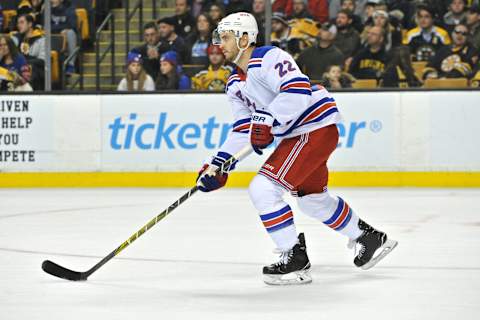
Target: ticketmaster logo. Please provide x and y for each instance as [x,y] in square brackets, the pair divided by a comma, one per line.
[132,133]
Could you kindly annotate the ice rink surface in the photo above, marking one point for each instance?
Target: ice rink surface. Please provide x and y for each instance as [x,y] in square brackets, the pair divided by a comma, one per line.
[204,260]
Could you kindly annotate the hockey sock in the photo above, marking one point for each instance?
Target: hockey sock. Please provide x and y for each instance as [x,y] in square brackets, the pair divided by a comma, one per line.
[281,228]
[344,220]
[333,212]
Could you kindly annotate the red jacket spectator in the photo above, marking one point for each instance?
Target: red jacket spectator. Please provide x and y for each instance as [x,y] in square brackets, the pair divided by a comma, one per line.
[317,8]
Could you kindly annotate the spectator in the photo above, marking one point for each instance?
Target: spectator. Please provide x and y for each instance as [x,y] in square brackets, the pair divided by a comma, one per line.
[284,36]
[216,13]
[171,77]
[350,5]
[14,66]
[456,14]
[368,11]
[184,21]
[149,51]
[334,78]
[136,78]
[335,5]
[199,40]
[216,76]
[170,41]
[369,63]
[31,42]
[454,61]
[399,72]
[473,23]
[312,9]
[199,6]
[64,21]
[427,38]
[258,11]
[393,36]
[299,10]
[347,38]
[237,6]
[315,60]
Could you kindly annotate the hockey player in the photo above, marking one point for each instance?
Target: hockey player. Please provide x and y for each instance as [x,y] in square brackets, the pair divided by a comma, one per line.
[271,97]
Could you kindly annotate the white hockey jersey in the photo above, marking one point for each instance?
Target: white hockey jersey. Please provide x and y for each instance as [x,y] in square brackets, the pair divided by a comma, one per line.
[275,84]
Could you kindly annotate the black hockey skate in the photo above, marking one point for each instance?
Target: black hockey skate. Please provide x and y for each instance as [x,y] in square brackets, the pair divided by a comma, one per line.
[293,267]
[370,242]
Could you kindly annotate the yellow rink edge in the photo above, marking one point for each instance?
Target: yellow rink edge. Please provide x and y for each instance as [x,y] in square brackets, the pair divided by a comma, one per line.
[236,179]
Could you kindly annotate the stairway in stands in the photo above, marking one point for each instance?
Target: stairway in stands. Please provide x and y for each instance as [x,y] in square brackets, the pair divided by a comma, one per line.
[164,8]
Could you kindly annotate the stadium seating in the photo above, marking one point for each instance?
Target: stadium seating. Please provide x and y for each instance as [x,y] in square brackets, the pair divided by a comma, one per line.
[82,24]
[446,83]
[55,66]
[418,67]
[364,84]
[8,15]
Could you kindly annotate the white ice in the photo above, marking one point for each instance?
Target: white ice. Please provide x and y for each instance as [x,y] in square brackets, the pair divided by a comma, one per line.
[204,260]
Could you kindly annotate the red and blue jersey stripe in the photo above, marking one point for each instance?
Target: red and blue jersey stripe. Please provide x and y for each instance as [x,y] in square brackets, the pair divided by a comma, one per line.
[315,113]
[242,126]
[278,220]
[340,217]
[255,63]
[297,85]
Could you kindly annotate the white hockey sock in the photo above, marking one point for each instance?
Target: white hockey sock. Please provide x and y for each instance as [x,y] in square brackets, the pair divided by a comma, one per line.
[344,220]
[279,224]
[333,212]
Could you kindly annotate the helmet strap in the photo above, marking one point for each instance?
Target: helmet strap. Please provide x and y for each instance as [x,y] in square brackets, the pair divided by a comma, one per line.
[240,51]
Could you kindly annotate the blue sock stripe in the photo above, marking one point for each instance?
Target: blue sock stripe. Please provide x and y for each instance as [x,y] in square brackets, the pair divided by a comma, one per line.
[281,225]
[347,219]
[337,212]
[275,214]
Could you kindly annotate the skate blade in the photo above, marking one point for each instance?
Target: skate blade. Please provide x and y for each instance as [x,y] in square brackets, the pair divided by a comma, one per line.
[292,278]
[387,247]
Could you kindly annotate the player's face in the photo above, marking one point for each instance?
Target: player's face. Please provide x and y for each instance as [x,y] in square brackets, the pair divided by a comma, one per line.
[228,44]
[135,68]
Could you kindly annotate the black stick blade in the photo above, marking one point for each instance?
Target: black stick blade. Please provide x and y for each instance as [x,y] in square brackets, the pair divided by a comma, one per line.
[61,272]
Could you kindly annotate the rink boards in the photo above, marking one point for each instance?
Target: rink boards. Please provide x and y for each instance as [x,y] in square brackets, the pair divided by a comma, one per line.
[387,139]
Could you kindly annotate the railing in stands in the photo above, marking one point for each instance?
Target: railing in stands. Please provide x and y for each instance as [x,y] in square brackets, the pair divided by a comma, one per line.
[128,17]
[77,53]
[111,48]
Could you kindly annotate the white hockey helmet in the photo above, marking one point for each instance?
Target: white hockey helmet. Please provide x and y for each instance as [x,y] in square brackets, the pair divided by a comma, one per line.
[239,23]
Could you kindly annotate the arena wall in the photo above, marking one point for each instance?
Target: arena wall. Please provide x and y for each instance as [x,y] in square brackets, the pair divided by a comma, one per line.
[413,138]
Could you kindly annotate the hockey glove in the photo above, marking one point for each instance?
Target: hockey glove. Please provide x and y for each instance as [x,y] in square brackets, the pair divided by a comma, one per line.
[208,180]
[260,131]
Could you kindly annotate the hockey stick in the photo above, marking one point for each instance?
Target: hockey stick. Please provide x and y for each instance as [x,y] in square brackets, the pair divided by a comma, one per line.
[61,272]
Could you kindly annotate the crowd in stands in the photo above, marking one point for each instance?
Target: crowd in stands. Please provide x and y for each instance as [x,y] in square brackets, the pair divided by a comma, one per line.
[337,43]
[25,30]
